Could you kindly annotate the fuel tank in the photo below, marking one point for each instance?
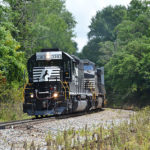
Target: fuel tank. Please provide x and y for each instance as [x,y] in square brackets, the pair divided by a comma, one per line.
[99,102]
[79,105]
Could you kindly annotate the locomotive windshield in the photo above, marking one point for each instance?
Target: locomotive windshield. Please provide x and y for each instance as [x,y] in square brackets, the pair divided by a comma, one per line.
[88,68]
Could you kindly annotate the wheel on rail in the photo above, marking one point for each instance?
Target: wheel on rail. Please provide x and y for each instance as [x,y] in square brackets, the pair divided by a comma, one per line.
[36,116]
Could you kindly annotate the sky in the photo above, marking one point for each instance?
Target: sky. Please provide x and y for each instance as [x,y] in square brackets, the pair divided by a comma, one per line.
[83,11]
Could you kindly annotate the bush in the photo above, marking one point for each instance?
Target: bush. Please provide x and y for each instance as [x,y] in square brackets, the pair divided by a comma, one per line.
[11,104]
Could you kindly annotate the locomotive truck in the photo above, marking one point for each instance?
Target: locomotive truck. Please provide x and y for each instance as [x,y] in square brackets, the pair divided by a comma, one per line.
[60,83]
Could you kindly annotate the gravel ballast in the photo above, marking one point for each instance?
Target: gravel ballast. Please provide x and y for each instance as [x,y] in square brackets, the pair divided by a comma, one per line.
[19,136]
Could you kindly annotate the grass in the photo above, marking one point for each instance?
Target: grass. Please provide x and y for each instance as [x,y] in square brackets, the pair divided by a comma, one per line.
[12,111]
[11,102]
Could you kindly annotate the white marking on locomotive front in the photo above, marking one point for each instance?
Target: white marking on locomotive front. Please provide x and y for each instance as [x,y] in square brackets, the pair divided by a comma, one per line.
[43,74]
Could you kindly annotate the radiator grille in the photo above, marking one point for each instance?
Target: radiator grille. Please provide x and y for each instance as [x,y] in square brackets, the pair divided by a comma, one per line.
[89,83]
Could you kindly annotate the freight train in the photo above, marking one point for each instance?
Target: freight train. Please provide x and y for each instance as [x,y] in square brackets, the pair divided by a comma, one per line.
[60,83]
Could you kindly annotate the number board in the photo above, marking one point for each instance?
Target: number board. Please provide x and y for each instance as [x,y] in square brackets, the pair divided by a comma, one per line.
[48,55]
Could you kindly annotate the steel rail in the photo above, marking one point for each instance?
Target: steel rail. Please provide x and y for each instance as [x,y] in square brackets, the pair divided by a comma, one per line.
[12,124]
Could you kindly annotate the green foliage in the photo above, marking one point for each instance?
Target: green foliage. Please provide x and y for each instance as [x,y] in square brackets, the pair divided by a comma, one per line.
[107,49]
[130,30]
[43,23]
[129,67]
[56,33]
[20,18]
[5,19]
[105,21]
[91,50]
[9,112]
[53,26]
[11,62]
[125,32]
[136,8]
[11,103]
[102,30]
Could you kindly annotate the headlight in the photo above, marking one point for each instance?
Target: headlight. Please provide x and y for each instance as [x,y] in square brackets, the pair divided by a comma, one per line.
[55,95]
[32,95]
[48,56]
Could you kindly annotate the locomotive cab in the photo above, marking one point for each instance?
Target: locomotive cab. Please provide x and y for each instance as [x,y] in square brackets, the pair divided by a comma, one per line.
[89,75]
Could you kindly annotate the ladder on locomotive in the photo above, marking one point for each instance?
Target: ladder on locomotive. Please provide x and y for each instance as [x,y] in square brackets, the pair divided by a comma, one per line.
[66,88]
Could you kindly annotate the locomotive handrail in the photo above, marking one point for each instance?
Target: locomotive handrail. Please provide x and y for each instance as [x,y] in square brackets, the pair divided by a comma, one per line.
[24,88]
[93,93]
[68,88]
[64,88]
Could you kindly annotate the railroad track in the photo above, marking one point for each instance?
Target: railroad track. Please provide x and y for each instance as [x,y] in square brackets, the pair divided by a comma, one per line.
[26,122]
[13,124]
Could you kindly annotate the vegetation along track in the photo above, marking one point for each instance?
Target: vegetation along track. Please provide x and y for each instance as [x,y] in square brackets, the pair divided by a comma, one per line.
[13,124]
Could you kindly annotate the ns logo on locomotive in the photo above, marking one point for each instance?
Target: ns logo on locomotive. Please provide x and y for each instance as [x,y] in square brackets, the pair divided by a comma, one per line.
[60,83]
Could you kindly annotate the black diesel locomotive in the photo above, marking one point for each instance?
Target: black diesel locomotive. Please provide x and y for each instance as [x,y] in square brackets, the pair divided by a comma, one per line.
[60,83]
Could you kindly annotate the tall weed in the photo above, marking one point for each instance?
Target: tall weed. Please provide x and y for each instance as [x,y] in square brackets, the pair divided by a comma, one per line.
[11,104]
[133,134]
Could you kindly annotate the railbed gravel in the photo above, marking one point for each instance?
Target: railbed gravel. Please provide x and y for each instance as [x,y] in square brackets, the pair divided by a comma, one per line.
[17,137]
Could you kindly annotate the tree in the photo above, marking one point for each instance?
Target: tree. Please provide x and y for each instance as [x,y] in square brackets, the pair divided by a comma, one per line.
[5,19]
[129,30]
[128,71]
[43,23]
[106,51]
[90,51]
[105,21]
[136,8]
[102,30]
[20,18]
[11,62]
[129,66]
[53,26]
